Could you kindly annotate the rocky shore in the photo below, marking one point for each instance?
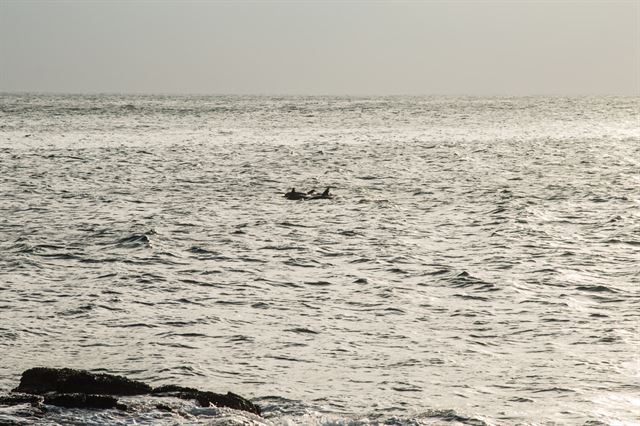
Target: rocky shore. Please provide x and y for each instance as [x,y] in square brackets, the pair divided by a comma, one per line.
[65,387]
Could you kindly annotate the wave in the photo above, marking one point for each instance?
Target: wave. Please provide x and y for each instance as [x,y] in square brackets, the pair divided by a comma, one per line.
[134,241]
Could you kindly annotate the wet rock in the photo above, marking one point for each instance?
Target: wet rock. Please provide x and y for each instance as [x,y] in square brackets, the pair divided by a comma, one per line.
[204,398]
[65,387]
[20,398]
[68,400]
[164,407]
[172,389]
[65,380]
[81,400]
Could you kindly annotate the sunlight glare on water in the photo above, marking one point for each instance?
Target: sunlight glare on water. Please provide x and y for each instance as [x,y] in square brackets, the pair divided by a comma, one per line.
[478,264]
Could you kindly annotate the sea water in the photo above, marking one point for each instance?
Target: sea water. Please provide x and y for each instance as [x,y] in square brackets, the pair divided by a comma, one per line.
[479,263]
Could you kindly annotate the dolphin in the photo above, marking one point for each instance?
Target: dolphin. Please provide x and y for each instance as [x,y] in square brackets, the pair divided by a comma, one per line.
[324,196]
[294,195]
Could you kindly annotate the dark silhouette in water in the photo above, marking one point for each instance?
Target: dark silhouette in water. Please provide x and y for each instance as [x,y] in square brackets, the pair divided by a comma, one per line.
[325,195]
[294,195]
[311,195]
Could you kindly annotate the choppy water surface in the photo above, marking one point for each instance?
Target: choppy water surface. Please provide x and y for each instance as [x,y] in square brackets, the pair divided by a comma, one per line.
[479,264]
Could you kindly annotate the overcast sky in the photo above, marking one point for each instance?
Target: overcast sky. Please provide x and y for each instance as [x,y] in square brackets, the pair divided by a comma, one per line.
[304,47]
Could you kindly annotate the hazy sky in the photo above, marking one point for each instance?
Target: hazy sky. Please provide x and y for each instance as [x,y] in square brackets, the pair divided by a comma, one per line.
[330,47]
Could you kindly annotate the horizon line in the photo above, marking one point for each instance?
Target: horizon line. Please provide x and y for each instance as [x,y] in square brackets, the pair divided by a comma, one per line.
[316,95]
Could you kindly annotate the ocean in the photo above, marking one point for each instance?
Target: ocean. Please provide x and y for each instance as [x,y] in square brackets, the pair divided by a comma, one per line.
[479,263]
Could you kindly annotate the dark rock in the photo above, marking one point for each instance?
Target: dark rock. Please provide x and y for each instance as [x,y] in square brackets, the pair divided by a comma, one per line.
[172,389]
[65,380]
[69,400]
[205,399]
[81,400]
[20,398]
[70,388]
